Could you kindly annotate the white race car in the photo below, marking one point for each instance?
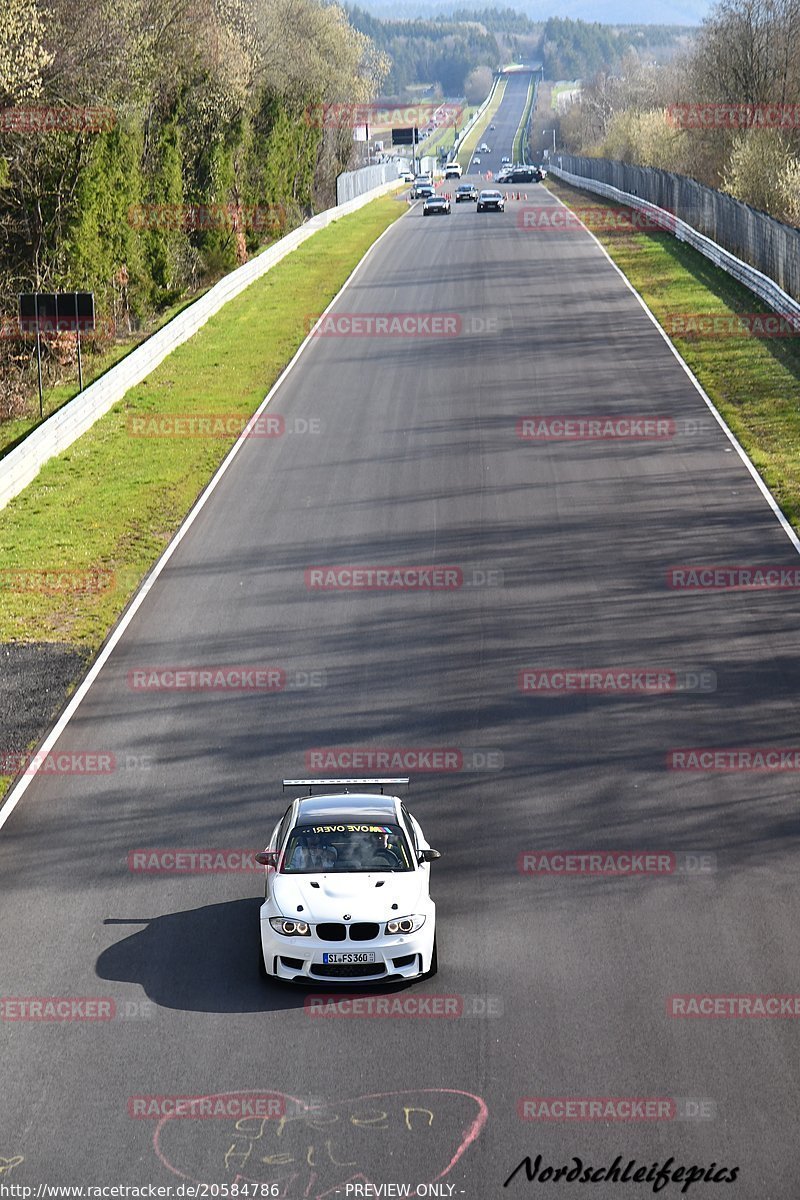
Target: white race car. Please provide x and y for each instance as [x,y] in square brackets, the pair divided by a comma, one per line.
[347,893]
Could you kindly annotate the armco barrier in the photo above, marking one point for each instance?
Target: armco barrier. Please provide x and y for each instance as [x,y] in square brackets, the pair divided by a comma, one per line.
[769,245]
[530,104]
[763,287]
[58,432]
[351,184]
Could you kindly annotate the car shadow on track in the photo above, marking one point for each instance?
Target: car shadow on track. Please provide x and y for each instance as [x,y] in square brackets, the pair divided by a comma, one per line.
[204,960]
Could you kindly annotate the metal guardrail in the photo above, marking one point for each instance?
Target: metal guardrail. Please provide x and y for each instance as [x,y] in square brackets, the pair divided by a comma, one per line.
[351,184]
[758,283]
[526,133]
[769,245]
[22,464]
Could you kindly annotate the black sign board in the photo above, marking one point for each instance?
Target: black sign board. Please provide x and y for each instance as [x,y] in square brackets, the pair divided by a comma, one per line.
[405,137]
[56,312]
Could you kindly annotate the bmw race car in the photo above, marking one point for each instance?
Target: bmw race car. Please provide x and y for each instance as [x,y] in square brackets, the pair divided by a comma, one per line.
[347,892]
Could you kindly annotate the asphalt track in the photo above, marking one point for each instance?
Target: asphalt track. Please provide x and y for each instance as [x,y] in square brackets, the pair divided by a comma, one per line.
[564,546]
[500,140]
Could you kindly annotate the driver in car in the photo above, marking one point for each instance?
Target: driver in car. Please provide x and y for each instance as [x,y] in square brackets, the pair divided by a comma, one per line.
[382,853]
[313,854]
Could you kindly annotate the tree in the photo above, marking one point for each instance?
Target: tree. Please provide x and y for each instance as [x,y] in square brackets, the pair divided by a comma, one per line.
[749,52]
[477,85]
[23,55]
[764,173]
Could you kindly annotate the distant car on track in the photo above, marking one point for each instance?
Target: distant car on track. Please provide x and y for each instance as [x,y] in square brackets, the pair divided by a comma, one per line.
[347,889]
[476,161]
[452,170]
[421,191]
[489,199]
[436,205]
[466,191]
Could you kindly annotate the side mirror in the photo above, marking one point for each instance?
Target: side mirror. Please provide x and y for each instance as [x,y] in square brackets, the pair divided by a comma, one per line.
[268,858]
[429,855]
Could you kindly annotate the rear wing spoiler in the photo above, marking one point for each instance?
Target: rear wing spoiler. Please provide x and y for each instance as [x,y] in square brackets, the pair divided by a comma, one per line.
[395,781]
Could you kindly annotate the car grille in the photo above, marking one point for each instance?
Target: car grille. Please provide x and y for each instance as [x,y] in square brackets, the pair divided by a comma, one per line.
[364,931]
[331,932]
[360,931]
[348,970]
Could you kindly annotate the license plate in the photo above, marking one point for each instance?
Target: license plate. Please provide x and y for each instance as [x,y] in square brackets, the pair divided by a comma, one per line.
[364,956]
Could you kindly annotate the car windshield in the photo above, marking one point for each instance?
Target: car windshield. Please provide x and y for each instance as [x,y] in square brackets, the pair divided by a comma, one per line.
[349,846]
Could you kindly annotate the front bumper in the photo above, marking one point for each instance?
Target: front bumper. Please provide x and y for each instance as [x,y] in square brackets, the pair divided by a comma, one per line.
[300,959]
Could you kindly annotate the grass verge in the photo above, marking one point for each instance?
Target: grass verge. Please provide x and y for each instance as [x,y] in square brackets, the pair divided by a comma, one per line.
[75,544]
[111,502]
[753,380]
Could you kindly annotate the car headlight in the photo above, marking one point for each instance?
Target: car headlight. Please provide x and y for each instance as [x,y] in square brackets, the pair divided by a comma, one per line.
[290,928]
[405,924]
